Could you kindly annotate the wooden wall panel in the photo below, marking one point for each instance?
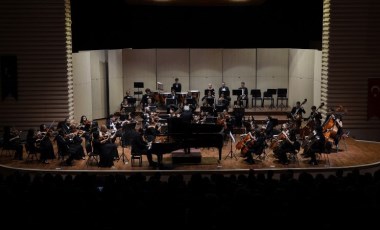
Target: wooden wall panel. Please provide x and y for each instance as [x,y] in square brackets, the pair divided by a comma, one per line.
[350,57]
[38,33]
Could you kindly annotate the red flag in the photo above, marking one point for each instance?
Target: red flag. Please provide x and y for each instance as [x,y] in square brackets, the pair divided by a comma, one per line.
[373,104]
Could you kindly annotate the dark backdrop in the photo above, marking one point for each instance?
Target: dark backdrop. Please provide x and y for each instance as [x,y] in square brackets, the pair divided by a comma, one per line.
[102,24]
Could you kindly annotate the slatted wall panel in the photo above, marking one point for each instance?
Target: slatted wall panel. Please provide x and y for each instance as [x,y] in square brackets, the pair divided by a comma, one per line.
[351,56]
[38,33]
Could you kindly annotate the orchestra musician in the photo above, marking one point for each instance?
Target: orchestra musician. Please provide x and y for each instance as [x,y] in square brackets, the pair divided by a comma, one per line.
[139,145]
[174,97]
[176,86]
[223,101]
[101,148]
[85,127]
[208,100]
[107,139]
[336,115]
[31,141]
[11,138]
[75,137]
[45,144]
[316,144]
[255,146]
[296,114]
[144,100]
[288,144]
[243,96]
[315,116]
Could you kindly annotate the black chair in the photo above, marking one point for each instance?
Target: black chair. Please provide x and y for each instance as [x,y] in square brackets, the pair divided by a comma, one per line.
[135,155]
[282,95]
[256,95]
[31,152]
[268,96]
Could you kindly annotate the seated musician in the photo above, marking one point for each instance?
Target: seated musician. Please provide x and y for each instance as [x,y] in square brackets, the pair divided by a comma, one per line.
[45,144]
[208,100]
[11,138]
[189,99]
[317,144]
[250,124]
[288,144]
[107,140]
[171,100]
[145,97]
[31,141]
[62,144]
[335,114]
[315,116]
[139,145]
[225,90]
[85,127]
[256,146]
[106,155]
[223,101]
[74,140]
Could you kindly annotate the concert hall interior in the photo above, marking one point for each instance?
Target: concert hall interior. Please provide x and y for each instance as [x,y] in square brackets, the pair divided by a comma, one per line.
[192,109]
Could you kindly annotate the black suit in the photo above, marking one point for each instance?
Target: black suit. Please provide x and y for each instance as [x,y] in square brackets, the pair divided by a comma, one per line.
[177,87]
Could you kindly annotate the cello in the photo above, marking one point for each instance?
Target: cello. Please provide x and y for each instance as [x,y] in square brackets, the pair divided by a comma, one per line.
[245,143]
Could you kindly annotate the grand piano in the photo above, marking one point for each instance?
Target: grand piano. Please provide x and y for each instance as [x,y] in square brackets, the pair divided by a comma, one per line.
[183,135]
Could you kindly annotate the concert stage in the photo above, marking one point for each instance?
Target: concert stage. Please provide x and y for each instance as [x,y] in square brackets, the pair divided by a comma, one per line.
[352,153]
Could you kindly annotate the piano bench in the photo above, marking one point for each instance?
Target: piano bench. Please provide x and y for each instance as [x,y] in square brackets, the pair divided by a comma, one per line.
[137,157]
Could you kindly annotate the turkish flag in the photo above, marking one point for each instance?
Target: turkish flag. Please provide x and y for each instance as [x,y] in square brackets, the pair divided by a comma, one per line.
[373,104]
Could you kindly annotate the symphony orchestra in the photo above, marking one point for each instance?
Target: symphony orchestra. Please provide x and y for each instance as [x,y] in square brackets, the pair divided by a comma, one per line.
[77,140]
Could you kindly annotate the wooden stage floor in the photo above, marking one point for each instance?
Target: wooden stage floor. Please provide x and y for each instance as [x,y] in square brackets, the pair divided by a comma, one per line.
[351,153]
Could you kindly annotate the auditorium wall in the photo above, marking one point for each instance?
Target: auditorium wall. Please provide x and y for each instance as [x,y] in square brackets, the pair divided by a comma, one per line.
[294,69]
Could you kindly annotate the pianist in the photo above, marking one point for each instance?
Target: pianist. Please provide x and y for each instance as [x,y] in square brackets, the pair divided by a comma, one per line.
[140,146]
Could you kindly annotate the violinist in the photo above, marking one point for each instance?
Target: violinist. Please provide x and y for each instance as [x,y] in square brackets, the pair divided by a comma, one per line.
[12,141]
[85,128]
[107,140]
[75,144]
[30,143]
[45,144]
[62,144]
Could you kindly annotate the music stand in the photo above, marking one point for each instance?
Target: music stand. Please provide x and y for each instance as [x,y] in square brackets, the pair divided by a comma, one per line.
[207,109]
[210,101]
[231,154]
[171,101]
[131,101]
[138,85]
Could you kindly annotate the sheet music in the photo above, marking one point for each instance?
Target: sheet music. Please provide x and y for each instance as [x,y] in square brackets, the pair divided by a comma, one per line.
[232,137]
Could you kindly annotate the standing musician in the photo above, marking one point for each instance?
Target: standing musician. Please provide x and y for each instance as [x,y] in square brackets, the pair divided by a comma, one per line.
[243,96]
[336,115]
[226,91]
[12,141]
[177,86]
[296,114]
